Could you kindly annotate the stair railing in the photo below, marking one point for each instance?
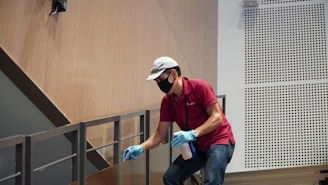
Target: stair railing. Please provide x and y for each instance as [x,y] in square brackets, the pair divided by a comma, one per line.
[18,142]
[25,147]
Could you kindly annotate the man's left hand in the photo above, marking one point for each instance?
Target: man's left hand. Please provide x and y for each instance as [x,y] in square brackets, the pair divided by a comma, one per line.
[181,137]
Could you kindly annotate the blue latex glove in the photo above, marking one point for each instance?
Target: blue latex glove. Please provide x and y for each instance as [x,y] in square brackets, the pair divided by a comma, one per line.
[132,152]
[182,137]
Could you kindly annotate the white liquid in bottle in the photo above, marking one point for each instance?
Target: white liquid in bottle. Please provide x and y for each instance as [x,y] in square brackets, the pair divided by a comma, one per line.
[185,151]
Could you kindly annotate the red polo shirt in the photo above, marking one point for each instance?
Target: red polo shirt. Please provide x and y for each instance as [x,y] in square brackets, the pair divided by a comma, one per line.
[199,95]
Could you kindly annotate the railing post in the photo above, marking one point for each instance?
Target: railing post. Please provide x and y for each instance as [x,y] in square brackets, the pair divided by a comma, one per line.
[75,161]
[170,135]
[81,151]
[20,163]
[142,128]
[143,137]
[223,97]
[223,104]
[147,135]
[117,149]
[29,161]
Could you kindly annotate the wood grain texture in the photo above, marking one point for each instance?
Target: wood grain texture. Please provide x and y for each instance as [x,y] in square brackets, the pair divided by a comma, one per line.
[92,60]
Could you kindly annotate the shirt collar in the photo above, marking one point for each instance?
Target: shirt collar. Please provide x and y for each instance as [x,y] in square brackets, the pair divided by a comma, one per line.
[187,89]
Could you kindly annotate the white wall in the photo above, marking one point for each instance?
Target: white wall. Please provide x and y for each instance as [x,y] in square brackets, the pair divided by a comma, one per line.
[276,87]
[230,71]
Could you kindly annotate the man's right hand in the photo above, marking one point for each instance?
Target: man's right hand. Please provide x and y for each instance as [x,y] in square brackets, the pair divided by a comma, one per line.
[132,152]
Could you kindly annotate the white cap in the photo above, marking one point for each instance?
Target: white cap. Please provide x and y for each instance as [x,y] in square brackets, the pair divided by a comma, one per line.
[160,65]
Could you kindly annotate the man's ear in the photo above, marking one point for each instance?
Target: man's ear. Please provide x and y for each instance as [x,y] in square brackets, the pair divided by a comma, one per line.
[175,73]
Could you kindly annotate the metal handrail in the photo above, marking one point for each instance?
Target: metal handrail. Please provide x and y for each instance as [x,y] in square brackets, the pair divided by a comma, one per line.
[25,146]
[41,168]
[117,133]
[31,141]
[19,142]
[10,176]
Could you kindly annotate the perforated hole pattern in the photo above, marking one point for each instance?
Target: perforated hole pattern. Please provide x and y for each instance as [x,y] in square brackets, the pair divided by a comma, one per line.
[286,125]
[285,44]
[286,94]
[266,2]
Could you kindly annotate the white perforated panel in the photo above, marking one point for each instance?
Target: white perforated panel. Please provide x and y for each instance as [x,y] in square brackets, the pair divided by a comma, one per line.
[267,2]
[286,125]
[285,44]
[286,94]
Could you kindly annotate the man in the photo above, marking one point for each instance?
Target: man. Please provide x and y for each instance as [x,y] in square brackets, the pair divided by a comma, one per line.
[193,105]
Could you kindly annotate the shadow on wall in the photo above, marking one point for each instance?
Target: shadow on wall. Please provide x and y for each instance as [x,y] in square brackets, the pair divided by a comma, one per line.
[19,115]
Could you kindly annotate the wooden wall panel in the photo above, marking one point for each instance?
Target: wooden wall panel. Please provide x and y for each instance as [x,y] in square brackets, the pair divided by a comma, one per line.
[92,60]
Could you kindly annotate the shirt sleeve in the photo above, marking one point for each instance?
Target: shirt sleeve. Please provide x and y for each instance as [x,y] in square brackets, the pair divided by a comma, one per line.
[206,94]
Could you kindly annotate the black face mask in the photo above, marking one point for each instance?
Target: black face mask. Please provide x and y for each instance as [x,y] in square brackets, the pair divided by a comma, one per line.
[165,85]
